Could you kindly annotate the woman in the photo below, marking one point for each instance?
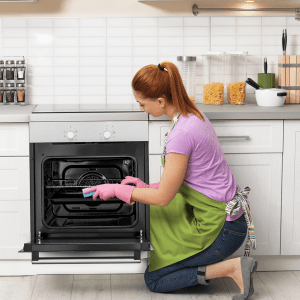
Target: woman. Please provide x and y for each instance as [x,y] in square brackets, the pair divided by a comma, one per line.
[198,215]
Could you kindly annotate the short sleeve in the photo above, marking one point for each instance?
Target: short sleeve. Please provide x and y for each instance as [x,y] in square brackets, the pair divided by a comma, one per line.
[180,141]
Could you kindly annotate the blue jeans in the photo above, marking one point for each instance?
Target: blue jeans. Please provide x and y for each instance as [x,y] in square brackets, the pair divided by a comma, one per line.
[184,273]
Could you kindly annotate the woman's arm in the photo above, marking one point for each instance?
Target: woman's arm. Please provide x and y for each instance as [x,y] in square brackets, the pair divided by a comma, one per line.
[171,180]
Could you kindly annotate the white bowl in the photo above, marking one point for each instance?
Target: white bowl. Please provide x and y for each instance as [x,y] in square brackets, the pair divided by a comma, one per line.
[270,97]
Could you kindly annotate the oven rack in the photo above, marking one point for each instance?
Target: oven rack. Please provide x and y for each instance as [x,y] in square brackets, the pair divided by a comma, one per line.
[71,183]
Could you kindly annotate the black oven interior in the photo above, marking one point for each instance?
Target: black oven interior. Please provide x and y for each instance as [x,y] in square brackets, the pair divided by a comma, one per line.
[63,203]
[59,172]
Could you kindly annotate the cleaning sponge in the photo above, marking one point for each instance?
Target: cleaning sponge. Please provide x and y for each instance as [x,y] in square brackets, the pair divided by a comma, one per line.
[87,194]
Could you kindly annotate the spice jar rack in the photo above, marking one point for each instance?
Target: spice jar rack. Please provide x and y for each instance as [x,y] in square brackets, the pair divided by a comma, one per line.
[12,80]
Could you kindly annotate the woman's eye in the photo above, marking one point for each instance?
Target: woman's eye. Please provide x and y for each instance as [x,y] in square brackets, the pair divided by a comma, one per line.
[141,105]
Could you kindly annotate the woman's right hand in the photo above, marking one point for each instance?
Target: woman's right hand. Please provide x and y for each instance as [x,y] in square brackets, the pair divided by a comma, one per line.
[138,183]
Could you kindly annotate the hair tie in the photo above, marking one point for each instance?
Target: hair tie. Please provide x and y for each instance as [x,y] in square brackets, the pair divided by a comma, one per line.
[161,67]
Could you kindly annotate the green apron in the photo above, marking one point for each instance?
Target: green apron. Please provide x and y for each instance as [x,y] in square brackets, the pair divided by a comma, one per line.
[187,226]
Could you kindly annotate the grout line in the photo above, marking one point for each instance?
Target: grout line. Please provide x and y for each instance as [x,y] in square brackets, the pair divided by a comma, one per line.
[106,63]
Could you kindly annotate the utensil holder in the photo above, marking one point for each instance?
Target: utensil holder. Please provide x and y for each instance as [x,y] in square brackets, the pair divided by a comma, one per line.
[289,77]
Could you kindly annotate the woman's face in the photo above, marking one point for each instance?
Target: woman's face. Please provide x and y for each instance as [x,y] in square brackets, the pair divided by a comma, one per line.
[152,107]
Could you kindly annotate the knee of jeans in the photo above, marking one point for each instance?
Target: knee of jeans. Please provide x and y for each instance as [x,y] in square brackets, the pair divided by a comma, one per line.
[148,280]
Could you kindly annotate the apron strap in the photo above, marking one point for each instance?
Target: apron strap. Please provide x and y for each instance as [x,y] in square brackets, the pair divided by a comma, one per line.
[232,209]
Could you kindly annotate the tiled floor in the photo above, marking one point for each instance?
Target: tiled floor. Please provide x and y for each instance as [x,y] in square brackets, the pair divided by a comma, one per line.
[268,285]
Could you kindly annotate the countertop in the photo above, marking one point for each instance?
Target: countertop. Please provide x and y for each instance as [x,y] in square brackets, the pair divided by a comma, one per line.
[17,113]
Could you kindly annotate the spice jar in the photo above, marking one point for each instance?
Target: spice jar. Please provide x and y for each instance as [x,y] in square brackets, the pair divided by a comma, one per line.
[213,81]
[1,93]
[235,76]
[10,69]
[21,93]
[20,66]
[9,93]
[187,69]
[1,69]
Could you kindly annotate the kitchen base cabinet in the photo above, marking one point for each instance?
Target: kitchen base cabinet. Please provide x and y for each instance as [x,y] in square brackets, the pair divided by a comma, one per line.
[290,227]
[262,173]
[14,229]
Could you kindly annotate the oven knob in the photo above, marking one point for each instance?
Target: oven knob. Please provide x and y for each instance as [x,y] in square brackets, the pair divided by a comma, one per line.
[107,134]
[70,135]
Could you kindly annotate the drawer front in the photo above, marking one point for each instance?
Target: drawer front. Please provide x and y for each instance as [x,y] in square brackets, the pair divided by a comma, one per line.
[14,139]
[235,136]
[14,178]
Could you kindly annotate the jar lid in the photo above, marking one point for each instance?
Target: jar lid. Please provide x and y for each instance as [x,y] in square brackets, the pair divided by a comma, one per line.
[20,84]
[186,58]
[20,62]
[10,85]
[213,53]
[237,52]
[10,62]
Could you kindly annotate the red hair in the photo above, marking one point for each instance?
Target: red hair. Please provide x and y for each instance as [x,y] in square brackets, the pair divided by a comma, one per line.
[152,83]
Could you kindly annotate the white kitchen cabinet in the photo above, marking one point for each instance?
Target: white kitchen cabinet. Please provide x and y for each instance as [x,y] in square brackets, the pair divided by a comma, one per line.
[14,229]
[290,228]
[15,190]
[262,173]
[14,139]
[253,150]
[14,178]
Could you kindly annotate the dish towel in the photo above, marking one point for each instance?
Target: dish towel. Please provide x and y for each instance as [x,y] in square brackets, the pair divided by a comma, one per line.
[232,209]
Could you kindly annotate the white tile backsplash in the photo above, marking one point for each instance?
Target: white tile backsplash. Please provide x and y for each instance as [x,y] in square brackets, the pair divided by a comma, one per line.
[93,60]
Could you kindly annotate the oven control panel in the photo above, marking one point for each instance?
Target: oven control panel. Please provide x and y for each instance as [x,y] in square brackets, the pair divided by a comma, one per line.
[104,131]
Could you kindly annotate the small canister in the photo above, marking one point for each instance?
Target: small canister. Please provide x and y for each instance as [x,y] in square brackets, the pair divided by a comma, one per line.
[21,93]
[187,69]
[1,93]
[1,69]
[10,69]
[9,93]
[21,67]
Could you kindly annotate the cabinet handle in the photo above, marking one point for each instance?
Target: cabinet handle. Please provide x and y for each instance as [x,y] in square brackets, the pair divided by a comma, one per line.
[234,137]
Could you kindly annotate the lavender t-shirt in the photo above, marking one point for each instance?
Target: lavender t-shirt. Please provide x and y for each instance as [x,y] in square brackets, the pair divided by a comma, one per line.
[207,171]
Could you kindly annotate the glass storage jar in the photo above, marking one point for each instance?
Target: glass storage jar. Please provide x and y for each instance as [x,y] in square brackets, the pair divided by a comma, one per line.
[213,79]
[21,93]
[10,93]
[1,93]
[235,76]
[21,67]
[10,69]
[187,69]
[1,69]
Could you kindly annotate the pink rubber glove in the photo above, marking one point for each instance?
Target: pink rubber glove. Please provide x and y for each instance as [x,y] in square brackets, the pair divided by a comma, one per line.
[106,191]
[139,183]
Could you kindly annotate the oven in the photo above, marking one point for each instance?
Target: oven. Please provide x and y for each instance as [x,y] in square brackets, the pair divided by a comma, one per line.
[69,153]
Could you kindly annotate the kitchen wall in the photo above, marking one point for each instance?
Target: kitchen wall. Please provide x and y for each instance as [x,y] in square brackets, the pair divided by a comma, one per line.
[93,60]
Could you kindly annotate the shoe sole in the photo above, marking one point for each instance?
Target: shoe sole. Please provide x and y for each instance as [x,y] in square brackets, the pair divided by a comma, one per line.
[253,269]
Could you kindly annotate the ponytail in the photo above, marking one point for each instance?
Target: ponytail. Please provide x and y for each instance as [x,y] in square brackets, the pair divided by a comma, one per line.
[153,82]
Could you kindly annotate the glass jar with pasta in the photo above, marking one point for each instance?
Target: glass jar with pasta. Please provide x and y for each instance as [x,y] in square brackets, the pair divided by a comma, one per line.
[213,77]
[235,76]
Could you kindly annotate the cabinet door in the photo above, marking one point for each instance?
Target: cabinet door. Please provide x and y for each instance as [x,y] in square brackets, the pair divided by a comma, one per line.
[14,139]
[262,173]
[290,228]
[14,178]
[14,229]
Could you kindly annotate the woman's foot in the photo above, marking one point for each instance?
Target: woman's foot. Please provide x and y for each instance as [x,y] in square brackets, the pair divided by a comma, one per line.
[237,275]
[242,275]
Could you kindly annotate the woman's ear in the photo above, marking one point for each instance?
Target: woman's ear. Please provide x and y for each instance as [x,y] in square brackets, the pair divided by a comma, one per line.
[162,102]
